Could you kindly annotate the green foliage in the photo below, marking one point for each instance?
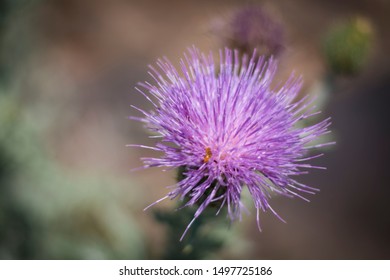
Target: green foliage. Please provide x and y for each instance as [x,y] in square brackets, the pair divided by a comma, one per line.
[200,241]
[48,212]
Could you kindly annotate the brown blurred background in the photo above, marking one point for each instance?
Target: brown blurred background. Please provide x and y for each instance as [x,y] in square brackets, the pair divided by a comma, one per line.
[69,69]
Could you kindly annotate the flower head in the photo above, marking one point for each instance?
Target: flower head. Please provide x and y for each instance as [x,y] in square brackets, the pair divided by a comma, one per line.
[249,28]
[227,128]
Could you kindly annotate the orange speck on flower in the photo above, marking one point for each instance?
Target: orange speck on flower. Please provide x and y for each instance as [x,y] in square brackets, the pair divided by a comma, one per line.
[208,155]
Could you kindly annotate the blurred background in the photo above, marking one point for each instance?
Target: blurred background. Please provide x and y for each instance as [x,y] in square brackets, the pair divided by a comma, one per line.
[68,69]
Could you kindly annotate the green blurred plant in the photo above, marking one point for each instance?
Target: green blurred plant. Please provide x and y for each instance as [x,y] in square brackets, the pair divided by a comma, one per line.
[347,46]
[49,213]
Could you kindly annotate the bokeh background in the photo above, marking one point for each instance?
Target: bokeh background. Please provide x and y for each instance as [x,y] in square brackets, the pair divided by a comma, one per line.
[68,69]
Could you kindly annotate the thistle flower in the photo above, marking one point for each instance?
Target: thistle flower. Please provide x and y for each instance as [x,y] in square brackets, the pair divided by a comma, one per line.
[249,28]
[227,128]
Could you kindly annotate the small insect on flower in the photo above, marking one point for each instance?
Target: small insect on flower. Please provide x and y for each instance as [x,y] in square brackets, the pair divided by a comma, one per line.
[208,155]
[226,128]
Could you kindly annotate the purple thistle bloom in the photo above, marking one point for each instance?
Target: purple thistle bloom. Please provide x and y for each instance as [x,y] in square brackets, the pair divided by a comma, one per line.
[229,128]
[251,27]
